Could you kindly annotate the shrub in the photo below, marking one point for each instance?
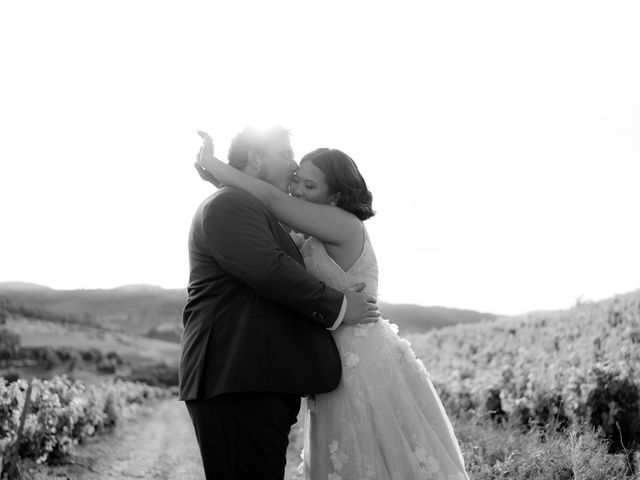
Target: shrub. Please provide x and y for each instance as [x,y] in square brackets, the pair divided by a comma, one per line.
[115,358]
[93,355]
[11,377]
[106,367]
[613,405]
[64,412]
[9,344]
[158,375]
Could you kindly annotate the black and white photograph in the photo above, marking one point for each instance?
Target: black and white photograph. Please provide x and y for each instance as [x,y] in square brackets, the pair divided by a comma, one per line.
[298,240]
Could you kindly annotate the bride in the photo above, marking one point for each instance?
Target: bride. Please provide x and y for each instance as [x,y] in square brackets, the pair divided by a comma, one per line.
[385,420]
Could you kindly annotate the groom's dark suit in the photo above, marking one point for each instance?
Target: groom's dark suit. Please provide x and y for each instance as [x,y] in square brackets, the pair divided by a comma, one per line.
[255,328]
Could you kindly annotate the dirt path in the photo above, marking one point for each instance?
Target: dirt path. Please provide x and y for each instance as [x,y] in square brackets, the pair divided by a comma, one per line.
[158,444]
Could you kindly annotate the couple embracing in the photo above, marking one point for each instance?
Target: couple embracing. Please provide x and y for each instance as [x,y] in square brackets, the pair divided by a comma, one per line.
[282,303]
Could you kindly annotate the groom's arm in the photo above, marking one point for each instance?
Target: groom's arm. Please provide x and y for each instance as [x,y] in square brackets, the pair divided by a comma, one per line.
[240,240]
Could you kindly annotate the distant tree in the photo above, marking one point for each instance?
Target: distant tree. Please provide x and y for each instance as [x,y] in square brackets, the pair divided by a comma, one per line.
[106,366]
[157,375]
[169,335]
[93,355]
[49,358]
[9,345]
[115,358]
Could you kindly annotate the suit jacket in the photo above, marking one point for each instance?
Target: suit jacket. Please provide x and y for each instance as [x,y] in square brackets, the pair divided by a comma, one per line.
[255,319]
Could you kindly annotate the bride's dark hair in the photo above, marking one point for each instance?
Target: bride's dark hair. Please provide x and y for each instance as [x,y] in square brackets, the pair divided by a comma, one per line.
[344,178]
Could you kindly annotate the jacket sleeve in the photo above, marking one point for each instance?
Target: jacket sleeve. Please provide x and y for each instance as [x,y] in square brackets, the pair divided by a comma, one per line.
[240,239]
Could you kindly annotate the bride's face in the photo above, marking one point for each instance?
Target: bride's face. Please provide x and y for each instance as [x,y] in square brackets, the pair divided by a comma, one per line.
[310,184]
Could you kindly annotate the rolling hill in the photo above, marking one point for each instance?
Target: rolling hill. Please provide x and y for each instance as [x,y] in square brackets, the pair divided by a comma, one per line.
[139,309]
[22,286]
[420,319]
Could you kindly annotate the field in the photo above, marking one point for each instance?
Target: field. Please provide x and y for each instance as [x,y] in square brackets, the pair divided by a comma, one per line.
[545,389]
[131,347]
[86,381]
[547,395]
[147,310]
[544,396]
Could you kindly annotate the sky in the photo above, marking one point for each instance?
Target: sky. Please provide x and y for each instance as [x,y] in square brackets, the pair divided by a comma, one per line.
[500,139]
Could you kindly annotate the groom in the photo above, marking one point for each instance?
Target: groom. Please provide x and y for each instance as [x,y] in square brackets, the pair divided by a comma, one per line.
[256,323]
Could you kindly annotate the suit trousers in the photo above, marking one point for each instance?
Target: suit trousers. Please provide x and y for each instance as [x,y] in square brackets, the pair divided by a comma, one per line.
[244,436]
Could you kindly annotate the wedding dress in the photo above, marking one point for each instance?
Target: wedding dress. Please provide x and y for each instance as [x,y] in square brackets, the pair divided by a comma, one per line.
[385,420]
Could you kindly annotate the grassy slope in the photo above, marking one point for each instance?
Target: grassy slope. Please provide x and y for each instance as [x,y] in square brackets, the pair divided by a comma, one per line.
[549,346]
[134,311]
[131,348]
[137,309]
[543,348]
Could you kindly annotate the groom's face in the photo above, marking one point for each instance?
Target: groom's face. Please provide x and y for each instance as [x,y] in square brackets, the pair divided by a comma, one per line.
[277,164]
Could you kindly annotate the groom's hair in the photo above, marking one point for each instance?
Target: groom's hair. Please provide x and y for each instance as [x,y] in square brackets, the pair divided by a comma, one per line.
[253,138]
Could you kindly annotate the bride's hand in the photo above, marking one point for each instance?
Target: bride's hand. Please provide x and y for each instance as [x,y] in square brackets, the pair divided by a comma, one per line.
[204,174]
[206,152]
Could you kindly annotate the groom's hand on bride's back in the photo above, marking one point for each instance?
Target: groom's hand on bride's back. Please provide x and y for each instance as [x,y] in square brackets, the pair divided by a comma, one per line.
[361,308]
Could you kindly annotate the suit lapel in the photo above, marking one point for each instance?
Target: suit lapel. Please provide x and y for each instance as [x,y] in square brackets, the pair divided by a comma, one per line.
[291,241]
[286,242]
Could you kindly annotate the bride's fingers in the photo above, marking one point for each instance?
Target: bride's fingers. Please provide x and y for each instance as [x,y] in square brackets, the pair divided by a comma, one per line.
[205,136]
[207,144]
[206,139]
[207,149]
